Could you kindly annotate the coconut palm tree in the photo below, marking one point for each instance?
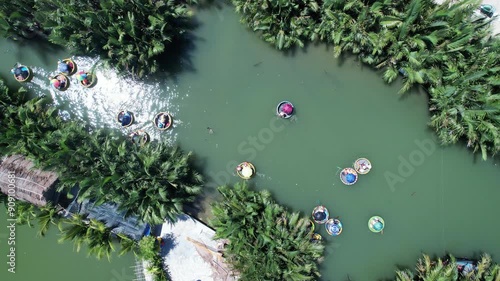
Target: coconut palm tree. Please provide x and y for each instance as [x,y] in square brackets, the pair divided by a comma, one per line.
[17,20]
[127,244]
[25,213]
[74,229]
[99,239]
[47,215]
[91,232]
[265,241]
[447,270]
[129,34]
[153,182]
[282,23]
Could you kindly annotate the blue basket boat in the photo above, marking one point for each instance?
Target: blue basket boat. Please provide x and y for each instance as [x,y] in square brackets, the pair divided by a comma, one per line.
[125,118]
[334,227]
[66,66]
[349,176]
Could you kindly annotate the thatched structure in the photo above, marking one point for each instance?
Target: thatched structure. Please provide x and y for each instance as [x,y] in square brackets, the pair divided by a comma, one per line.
[31,185]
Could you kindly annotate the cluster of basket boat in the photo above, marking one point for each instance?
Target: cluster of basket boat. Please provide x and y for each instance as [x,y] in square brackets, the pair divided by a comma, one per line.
[66,67]
[162,121]
[348,176]
[320,214]
[333,226]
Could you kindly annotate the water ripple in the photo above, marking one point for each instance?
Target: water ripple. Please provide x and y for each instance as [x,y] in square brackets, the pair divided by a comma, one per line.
[113,92]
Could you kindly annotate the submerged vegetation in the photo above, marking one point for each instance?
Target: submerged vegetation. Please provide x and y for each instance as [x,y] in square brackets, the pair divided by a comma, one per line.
[266,242]
[447,270]
[444,48]
[153,182]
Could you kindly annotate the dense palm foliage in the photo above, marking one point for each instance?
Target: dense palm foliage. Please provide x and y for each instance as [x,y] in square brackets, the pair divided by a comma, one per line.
[17,19]
[265,241]
[90,232]
[447,270]
[149,252]
[445,48]
[282,23]
[99,239]
[130,35]
[153,182]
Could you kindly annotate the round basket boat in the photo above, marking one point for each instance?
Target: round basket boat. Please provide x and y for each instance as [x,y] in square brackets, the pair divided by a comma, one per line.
[320,214]
[71,69]
[86,79]
[22,73]
[139,137]
[125,118]
[465,266]
[362,166]
[333,227]
[285,109]
[60,82]
[165,124]
[376,224]
[316,238]
[245,170]
[349,176]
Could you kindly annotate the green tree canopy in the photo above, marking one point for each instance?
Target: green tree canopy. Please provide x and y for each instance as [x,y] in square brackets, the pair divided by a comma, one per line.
[447,270]
[445,48]
[130,35]
[266,242]
[153,182]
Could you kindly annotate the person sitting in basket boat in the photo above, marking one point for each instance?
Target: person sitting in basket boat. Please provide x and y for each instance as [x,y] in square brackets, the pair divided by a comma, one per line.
[163,121]
[350,178]
[83,78]
[62,80]
[320,216]
[20,72]
[135,137]
[334,227]
[58,83]
[286,110]
[125,118]
[376,224]
[64,67]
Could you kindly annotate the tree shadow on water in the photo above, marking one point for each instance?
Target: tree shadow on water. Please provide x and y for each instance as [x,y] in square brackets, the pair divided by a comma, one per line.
[177,56]
[208,4]
[41,48]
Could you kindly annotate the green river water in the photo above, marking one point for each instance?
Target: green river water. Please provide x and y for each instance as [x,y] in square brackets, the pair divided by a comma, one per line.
[433,199]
